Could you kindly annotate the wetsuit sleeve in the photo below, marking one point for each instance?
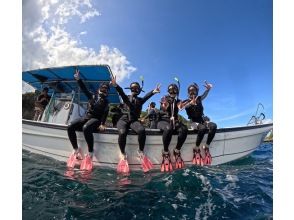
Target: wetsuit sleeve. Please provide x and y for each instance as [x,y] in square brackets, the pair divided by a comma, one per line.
[203,96]
[105,114]
[122,95]
[84,89]
[188,105]
[147,96]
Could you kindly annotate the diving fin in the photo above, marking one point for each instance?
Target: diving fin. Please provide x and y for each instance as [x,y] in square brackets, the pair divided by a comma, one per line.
[71,161]
[197,158]
[166,164]
[123,166]
[145,161]
[207,158]
[179,161]
[87,163]
[75,157]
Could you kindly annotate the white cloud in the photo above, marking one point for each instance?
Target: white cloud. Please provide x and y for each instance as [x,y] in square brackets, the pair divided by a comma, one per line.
[46,43]
[83,33]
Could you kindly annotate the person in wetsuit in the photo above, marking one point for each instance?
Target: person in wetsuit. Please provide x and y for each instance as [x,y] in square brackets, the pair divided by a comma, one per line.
[152,115]
[94,119]
[41,103]
[194,110]
[131,113]
[116,113]
[168,123]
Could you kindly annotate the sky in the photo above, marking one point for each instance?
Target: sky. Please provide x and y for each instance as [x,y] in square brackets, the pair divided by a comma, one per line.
[226,42]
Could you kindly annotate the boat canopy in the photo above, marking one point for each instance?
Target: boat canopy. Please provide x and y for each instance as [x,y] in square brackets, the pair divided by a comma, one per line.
[61,79]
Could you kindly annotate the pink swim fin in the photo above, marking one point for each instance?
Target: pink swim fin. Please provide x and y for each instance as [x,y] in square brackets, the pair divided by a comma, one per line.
[179,161]
[208,158]
[123,166]
[166,164]
[197,158]
[71,160]
[87,163]
[146,164]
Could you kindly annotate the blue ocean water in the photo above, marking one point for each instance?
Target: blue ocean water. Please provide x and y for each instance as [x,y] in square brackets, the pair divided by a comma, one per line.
[239,190]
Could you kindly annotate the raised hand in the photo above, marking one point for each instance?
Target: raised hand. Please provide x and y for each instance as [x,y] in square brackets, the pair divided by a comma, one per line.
[113,81]
[77,75]
[207,85]
[157,89]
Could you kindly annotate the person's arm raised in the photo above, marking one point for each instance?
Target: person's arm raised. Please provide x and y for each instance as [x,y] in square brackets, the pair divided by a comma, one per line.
[120,90]
[208,86]
[82,85]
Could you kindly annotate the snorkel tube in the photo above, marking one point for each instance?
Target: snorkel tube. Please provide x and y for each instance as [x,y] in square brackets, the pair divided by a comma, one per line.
[179,86]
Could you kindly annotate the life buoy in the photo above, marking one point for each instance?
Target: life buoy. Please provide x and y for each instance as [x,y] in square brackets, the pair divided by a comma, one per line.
[66,106]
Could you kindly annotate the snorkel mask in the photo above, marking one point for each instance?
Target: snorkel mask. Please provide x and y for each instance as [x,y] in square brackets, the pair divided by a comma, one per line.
[103,90]
[193,90]
[135,88]
[173,90]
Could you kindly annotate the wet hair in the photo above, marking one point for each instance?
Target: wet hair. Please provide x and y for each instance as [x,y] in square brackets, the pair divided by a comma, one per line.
[152,104]
[135,83]
[194,85]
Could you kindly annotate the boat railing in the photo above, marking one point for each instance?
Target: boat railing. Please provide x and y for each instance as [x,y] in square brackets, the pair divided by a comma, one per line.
[255,120]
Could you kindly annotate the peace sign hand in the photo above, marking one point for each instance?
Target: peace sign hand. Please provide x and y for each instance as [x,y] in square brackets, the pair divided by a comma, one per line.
[207,85]
[157,89]
[77,75]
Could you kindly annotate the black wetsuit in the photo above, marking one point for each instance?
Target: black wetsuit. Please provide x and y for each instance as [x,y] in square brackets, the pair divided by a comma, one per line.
[96,115]
[116,113]
[195,113]
[167,126]
[153,116]
[131,113]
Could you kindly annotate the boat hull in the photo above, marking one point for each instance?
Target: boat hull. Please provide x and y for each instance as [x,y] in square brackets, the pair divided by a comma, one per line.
[52,140]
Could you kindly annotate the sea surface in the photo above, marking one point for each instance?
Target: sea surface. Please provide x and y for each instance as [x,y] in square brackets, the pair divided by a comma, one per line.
[242,189]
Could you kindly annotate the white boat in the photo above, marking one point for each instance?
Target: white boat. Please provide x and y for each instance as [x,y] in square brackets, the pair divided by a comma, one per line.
[48,136]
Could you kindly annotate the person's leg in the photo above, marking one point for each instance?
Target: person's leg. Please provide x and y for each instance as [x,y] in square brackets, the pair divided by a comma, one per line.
[197,157]
[71,131]
[166,128]
[201,132]
[140,130]
[211,132]
[89,127]
[182,135]
[122,127]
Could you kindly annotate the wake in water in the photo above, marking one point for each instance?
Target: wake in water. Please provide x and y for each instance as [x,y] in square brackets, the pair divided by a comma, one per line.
[237,190]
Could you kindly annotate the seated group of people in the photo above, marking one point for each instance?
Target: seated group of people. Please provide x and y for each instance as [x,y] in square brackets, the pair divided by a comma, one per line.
[167,121]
